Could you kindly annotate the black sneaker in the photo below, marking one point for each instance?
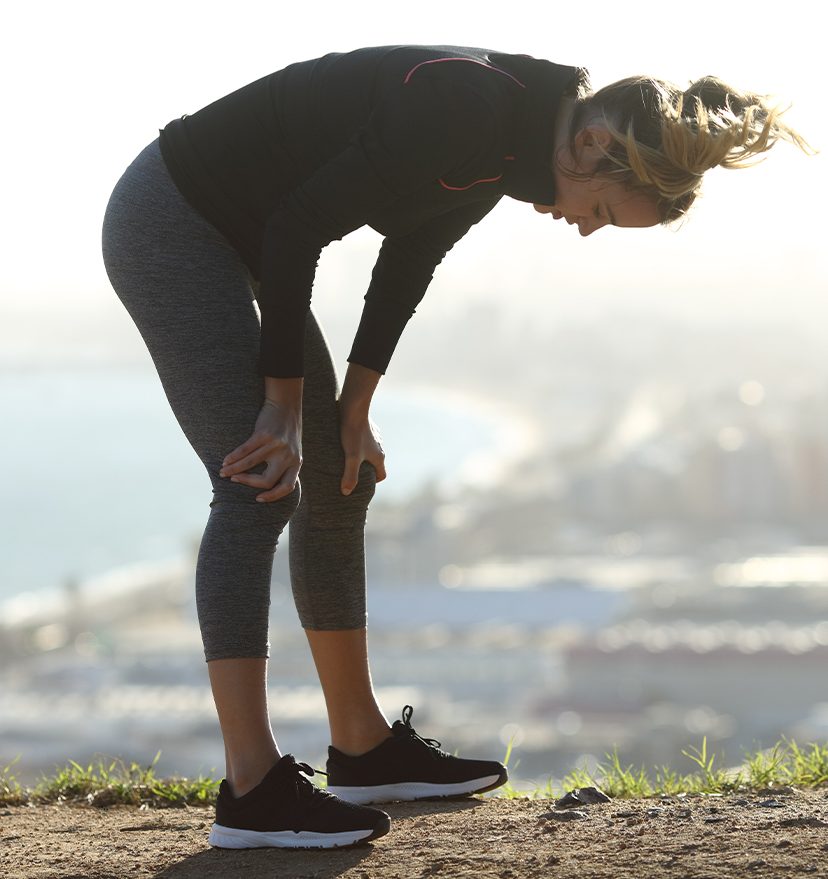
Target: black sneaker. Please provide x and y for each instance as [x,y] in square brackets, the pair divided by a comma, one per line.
[408,767]
[287,811]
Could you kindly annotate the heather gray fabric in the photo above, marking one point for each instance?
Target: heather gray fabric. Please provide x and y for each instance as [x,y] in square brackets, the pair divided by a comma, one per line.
[192,299]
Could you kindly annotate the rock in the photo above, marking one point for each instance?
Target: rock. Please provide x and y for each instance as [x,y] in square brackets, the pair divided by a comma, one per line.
[784,790]
[772,804]
[571,815]
[741,802]
[715,819]
[803,821]
[784,843]
[582,796]
[655,812]
[683,813]
[625,814]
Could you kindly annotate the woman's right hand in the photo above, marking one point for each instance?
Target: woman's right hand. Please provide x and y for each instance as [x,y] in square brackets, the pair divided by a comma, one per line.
[276,440]
[358,434]
[360,442]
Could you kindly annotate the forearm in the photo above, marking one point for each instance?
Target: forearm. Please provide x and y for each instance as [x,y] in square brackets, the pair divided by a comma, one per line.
[284,391]
[358,390]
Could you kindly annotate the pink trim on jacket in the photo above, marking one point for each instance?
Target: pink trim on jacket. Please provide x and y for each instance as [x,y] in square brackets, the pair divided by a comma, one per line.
[460,188]
[473,61]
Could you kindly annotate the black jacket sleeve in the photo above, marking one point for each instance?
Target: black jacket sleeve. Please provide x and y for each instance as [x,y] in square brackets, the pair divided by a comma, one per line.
[401,276]
[418,132]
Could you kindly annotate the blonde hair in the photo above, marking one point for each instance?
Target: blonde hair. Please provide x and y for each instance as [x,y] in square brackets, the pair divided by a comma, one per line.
[664,139]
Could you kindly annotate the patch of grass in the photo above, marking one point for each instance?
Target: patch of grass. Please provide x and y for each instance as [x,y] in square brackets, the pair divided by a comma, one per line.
[764,768]
[784,764]
[809,767]
[110,784]
[114,783]
[10,790]
[710,779]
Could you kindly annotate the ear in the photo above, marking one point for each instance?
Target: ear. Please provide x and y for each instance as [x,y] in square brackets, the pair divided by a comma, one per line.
[590,143]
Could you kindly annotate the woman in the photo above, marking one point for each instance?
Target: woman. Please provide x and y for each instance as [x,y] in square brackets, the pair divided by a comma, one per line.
[236,202]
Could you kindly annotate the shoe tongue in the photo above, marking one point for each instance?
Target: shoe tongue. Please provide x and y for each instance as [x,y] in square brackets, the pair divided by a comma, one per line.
[280,768]
[286,761]
[281,771]
[286,766]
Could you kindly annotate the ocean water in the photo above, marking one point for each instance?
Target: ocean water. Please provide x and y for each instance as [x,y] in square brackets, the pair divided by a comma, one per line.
[97,473]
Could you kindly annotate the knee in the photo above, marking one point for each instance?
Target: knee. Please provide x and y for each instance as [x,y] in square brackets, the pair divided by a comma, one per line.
[238,495]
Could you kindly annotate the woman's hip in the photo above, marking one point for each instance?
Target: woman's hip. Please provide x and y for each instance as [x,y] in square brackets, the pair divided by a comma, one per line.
[149,228]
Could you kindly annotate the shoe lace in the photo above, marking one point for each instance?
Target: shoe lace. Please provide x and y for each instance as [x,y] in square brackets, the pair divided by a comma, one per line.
[405,726]
[303,787]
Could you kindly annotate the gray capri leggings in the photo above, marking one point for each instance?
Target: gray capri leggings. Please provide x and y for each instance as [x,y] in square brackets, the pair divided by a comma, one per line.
[191,298]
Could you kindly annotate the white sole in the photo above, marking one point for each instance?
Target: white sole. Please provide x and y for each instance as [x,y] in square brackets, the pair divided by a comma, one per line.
[410,790]
[233,837]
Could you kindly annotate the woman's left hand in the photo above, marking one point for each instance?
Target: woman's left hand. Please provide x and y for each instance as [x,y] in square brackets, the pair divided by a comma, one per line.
[361,442]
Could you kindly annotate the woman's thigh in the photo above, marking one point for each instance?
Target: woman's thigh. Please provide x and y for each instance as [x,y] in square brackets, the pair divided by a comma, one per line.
[190,296]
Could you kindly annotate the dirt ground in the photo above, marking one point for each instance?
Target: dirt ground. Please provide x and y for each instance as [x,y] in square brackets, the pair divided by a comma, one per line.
[762,835]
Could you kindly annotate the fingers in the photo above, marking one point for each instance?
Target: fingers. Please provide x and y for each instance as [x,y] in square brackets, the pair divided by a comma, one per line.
[240,452]
[259,448]
[286,481]
[350,476]
[282,488]
[378,459]
[273,473]
[238,461]
[379,466]
[278,478]
[255,480]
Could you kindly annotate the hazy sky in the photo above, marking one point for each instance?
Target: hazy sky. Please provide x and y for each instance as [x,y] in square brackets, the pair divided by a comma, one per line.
[87,86]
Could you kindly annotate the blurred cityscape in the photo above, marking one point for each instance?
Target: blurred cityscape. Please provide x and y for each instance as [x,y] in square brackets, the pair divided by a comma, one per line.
[653,571]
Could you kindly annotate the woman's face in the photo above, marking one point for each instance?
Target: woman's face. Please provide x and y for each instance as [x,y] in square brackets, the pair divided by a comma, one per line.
[596,202]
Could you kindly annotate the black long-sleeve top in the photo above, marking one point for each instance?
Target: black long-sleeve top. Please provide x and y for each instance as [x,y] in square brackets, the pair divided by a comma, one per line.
[418,142]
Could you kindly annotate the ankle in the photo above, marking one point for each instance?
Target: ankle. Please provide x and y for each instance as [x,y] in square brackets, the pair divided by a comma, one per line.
[244,777]
[355,743]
